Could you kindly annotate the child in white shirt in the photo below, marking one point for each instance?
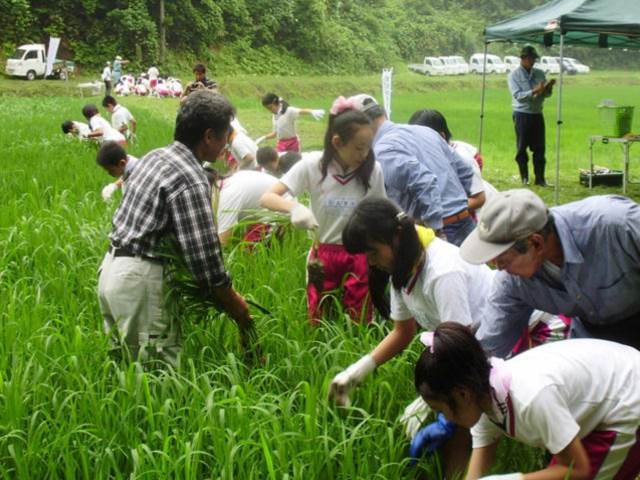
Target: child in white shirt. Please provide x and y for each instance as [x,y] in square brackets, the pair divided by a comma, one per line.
[579,399]
[345,174]
[114,159]
[284,122]
[121,118]
[77,129]
[101,130]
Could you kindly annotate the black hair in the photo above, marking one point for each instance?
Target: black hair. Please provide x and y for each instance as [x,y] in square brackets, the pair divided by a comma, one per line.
[67,126]
[199,68]
[202,110]
[108,100]
[89,110]
[271,98]
[266,155]
[345,125]
[372,109]
[110,154]
[457,361]
[432,119]
[288,160]
[380,220]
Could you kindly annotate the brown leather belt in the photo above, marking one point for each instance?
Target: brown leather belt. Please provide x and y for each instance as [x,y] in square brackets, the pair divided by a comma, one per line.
[456,218]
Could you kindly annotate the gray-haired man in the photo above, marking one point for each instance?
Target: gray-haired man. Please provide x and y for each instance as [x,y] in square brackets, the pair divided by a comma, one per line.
[168,194]
[581,259]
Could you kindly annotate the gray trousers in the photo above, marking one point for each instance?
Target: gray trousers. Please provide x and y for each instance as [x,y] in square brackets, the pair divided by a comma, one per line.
[131,298]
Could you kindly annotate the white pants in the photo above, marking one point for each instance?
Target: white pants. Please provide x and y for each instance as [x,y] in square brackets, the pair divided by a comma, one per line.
[131,297]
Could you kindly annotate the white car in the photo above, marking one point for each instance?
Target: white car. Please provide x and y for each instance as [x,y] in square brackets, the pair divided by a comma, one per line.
[429,66]
[450,66]
[461,64]
[549,65]
[580,67]
[511,62]
[494,63]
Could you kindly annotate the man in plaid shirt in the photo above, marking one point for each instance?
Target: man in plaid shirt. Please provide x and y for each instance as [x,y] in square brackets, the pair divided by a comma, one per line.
[168,194]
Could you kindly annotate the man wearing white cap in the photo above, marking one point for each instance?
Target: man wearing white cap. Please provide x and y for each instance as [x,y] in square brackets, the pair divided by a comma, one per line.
[422,173]
[581,259]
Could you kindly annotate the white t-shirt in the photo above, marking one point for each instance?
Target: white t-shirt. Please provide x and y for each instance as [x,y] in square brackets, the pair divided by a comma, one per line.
[334,198]
[83,129]
[284,124]
[240,196]
[106,73]
[241,146]
[563,389]
[153,73]
[237,126]
[108,132]
[121,116]
[468,152]
[446,289]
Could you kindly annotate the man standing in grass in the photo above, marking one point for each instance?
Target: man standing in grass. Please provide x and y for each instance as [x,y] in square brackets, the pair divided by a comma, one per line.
[581,259]
[529,88]
[168,196]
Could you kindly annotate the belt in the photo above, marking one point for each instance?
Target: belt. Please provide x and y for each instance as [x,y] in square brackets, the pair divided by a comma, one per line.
[456,218]
[125,252]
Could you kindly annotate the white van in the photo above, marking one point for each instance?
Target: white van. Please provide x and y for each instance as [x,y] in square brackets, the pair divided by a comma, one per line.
[450,66]
[511,62]
[494,63]
[548,65]
[580,67]
[463,66]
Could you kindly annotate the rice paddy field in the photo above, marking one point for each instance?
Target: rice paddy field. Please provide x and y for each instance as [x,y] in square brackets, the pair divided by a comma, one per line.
[67,411]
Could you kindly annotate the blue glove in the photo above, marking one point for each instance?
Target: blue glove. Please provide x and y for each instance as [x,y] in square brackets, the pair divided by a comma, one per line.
[430,438]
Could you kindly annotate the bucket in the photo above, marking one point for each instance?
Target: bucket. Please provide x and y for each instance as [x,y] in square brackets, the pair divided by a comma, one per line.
[615,120]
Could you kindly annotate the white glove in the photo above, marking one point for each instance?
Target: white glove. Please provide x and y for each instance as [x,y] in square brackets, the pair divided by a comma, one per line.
[133,138]
[108,191]
[506,476]
[261,139]
[317,114]
[414,416]
[302,217]
[344,382]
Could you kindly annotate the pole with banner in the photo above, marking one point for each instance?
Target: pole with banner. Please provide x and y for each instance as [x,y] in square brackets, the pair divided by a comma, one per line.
[52,51]
[387,74]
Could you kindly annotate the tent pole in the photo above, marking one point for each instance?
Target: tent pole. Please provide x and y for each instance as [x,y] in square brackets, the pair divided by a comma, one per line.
[484,78]
[556,195]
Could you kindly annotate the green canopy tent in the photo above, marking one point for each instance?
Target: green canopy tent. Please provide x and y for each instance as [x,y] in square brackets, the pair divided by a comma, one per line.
[596,23]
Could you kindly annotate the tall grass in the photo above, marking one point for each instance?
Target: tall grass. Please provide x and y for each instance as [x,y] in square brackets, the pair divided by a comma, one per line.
[67,411]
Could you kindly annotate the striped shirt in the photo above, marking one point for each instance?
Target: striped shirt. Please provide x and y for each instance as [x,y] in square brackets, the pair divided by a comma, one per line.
[168,193]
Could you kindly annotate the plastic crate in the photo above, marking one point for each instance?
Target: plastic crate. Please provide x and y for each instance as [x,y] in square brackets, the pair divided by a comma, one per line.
[615,120]
[611,178]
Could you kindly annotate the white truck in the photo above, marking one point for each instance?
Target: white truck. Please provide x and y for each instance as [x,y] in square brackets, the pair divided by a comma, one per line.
[30,61]
[429,66]
[494,63]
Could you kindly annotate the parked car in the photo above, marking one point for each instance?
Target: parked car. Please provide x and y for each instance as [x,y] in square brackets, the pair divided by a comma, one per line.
[429,66]
[30,61]
[548,65]
[450,66]
[494,63]
[511,62]
[462,67]
[580,67]
[567,67]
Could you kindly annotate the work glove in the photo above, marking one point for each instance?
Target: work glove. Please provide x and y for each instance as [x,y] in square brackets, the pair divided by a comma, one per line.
[506,476]
[303,218]
[317,114]
[261,139]
[414,416]
[133,138]
[346,380]
[430,438]
[108,191]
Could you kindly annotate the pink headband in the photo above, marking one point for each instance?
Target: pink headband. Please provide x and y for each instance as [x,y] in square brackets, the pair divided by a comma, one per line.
[427,339]
[341,104]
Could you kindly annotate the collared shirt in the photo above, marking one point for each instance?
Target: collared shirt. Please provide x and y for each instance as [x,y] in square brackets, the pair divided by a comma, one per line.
[521,85]
[168,193]
[422,173]
[600,277]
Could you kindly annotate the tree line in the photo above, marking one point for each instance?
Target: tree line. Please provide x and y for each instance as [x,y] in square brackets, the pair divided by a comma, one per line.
[257,36]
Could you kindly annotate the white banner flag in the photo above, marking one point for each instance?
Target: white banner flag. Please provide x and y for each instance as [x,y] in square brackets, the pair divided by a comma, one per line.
[387,74]
[52,51]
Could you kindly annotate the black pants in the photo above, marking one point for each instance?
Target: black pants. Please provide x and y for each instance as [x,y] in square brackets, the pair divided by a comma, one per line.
[107,87]
[530,134]
[625,331]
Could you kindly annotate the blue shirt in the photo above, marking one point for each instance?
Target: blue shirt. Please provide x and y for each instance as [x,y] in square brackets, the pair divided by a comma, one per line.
[599,280]
[521,85]
[422,173]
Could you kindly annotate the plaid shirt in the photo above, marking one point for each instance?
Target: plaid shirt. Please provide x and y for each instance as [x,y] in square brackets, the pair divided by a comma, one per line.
[167,193]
